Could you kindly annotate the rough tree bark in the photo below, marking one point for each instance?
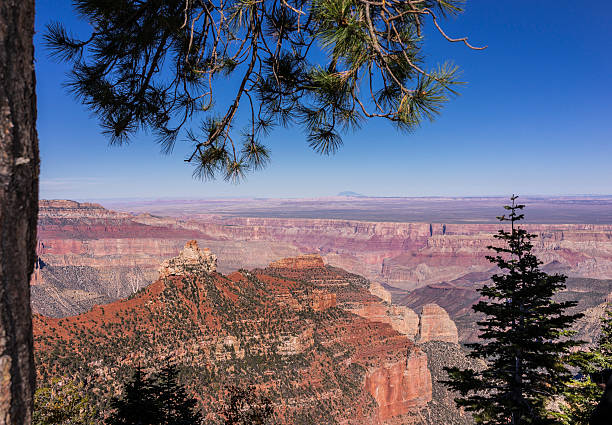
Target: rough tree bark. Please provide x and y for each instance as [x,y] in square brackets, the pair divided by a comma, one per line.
[19,166]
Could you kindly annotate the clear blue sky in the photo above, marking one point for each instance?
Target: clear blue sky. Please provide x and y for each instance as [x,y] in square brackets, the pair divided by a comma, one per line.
[535,118]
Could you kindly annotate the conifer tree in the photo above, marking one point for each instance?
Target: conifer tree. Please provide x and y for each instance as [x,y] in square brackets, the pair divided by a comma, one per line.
[323,64]
[155,400]
[176,407]
[584,391]
[524,337]
[137,404]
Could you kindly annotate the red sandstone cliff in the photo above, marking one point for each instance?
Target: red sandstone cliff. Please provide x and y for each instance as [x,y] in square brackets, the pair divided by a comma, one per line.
[288,330]
[400,387]
[436,325]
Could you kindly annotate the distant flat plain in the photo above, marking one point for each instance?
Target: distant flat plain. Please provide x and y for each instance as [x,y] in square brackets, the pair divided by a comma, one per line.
[549,210]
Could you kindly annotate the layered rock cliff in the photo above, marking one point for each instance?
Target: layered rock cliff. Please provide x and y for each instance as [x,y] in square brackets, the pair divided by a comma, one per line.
[431,324]
[436,325]
[457,298]
[93,255]
[286,329]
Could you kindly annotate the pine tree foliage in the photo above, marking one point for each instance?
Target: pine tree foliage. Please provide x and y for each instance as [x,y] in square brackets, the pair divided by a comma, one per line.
[323,64]
[62,402]
[158,399]
[584,392]
[177,408]
[137,403]
[524,337]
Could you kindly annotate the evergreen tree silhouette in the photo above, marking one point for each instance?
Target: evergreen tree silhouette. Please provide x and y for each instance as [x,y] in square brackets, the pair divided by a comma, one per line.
[176,407]
[156,400]
[138,404]
[524,340]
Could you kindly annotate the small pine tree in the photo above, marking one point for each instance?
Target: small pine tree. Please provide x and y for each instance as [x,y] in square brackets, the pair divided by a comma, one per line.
[137,404]
[176,407]
[156,400]
[584,392]
[523,337]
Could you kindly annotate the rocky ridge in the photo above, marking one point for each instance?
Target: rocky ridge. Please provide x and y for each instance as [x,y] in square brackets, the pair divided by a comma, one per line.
[291,330]
[457,298]
[436,325]
[431,324]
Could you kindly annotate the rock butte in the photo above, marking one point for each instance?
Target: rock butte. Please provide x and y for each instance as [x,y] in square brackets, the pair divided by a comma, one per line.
[300,262]
[436,325]
[379,339]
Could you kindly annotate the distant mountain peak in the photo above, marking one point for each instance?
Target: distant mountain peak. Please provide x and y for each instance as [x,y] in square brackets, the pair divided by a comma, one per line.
[349,193]
[190,258]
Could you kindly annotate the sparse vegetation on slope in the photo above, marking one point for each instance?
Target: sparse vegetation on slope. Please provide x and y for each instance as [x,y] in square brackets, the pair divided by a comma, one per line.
[278,333]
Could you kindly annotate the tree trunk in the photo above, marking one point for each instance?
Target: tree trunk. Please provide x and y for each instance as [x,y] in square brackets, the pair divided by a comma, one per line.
[19,166]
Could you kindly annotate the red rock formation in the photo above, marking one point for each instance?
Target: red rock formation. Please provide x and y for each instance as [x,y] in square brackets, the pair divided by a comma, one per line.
[400,387]
[432,324]
[322,300]
[379,291]
[405,255]
[436,325]
[401,318]
[320,363]
[190,257]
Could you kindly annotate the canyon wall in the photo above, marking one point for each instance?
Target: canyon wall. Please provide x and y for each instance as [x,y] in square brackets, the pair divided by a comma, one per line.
[289,328]
[403,255]
[410,255]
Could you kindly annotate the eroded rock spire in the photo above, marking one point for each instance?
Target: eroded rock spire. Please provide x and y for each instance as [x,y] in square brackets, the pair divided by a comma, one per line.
[190,259]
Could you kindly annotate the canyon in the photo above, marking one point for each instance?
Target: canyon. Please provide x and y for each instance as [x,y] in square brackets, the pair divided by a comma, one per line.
[370,311]
[311,336]
[90,254]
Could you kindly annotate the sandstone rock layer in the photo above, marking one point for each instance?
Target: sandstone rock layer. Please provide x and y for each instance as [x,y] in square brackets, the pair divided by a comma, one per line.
[436,325]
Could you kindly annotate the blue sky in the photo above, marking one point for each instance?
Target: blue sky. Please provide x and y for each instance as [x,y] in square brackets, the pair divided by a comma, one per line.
[534,118]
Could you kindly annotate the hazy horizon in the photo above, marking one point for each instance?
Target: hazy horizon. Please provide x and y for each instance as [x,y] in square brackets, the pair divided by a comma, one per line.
[551,210]
[338,195]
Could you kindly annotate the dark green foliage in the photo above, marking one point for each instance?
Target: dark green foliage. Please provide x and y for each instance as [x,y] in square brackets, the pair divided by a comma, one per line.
[177,408]
[136,405]
[158,399]
[62,402]
[585,391]
[244,407]
[524,337]
[157,64]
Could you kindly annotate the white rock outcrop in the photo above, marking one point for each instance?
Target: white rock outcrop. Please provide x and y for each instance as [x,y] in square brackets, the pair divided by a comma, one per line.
[190,259]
